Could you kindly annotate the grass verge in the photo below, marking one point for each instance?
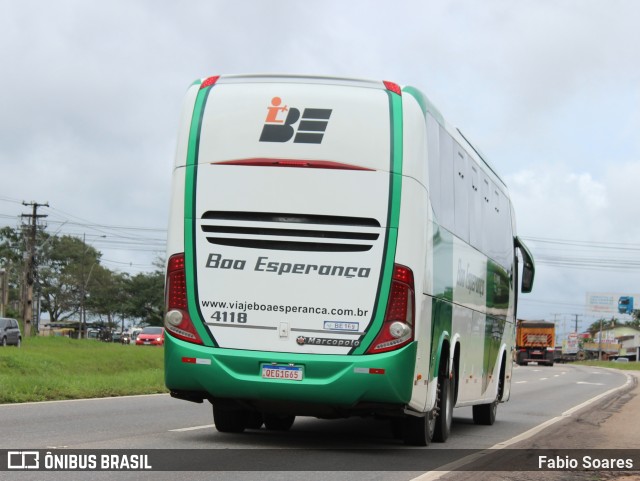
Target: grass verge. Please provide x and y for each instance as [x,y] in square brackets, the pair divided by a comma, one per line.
[53,368]
[623,366]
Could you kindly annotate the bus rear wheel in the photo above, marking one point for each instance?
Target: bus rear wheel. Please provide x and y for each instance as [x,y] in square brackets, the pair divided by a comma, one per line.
[445,408]
[229,420]
[485,414]
[418,431]
[253,420]
[278,422]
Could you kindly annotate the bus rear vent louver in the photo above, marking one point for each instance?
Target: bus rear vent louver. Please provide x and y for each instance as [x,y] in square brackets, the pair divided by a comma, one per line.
[291,232]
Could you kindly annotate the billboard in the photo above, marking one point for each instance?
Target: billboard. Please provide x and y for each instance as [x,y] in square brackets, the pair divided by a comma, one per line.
[570,344]
[612,303]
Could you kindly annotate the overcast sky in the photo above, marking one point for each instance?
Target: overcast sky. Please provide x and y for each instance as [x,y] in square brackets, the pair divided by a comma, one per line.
[90,96]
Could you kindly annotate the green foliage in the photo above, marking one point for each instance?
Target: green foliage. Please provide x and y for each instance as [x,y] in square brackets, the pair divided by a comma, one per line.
[49,368]
[604,324]
[70,275]
[148,303]
[11,254]
[65,267]
[624,366]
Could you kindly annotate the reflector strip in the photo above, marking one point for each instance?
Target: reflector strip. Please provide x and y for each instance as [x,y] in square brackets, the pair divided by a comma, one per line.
[368,370]
[195,360]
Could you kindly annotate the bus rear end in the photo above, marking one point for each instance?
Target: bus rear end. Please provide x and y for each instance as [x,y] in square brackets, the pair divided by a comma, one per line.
[283,295]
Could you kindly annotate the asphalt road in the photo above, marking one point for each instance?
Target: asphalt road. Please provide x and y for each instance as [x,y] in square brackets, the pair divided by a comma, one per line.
[539,393]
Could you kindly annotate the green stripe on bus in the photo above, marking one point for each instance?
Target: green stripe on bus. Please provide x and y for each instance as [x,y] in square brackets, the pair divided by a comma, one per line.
[191,174]
[393,220]
[425,104]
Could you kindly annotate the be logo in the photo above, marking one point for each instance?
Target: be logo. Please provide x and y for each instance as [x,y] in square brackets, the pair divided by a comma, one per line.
[279,125]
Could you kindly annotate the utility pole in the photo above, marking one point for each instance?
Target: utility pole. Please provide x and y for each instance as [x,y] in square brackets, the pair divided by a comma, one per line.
[4,291]
[600,342]
[29,273]
[576,321]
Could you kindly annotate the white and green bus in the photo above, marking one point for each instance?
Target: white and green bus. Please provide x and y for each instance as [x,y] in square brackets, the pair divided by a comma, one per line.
[335,248]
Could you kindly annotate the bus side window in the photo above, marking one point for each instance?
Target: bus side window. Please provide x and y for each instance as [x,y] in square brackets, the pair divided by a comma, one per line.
[506,234]
[485,200]
[447,218]
[475,208]
[433,153]
[461,200]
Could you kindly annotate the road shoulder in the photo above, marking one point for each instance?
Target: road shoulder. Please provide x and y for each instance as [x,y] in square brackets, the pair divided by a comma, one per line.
[612,422]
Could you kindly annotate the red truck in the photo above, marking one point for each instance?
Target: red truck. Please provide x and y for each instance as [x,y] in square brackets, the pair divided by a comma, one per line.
[535,342]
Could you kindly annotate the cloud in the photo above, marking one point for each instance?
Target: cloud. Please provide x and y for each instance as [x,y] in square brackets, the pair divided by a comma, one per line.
[91,94]
[573,218]
[547,200]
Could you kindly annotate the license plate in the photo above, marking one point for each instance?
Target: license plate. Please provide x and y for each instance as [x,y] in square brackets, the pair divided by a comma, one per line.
[341,326]
[287,373]
[147,342]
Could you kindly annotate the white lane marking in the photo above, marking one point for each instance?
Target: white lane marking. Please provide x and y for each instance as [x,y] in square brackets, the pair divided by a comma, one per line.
[193,428]
[521,382]
[591,383]
[544,378]
[435,475]
[113,398]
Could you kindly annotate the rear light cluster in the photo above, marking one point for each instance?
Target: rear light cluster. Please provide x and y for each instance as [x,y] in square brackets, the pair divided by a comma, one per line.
[177,320]
[397,329]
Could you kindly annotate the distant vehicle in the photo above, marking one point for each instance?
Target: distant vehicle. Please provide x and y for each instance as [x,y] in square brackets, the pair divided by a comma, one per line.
[621,359]
[126,338]
[116,337]
[535,342]
[10,332]
[625,305]
[134,333]
[151,336]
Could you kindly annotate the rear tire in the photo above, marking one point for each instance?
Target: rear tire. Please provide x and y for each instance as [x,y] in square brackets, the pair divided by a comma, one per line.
[485,414]
[278,422]
[253,420]
[418,431]
[445,408]
[397,428]
[229,420]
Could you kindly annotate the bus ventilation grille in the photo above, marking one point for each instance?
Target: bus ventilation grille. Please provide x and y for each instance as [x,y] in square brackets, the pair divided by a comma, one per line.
[291,232]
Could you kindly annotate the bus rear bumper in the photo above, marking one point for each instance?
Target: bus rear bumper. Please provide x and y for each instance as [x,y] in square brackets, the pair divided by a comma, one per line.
[196,373]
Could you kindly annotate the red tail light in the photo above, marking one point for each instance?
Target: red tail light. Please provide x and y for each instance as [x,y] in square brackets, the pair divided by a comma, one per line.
[176,319]
[397,329]
[392,87]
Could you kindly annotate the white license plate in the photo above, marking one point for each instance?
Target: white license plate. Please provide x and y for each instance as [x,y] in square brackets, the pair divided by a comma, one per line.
[286,373]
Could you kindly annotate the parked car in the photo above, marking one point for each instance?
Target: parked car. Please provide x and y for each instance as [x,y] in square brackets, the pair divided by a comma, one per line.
[10,332]
[151,336]
[621,359]
[116,337]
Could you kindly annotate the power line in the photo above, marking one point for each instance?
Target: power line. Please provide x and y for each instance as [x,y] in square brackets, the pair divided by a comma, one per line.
[584,243]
